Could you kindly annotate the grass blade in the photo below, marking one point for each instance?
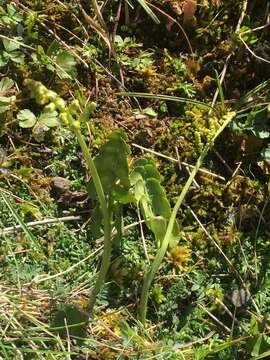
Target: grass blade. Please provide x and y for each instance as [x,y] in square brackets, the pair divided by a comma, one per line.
[166,98]
[147,9]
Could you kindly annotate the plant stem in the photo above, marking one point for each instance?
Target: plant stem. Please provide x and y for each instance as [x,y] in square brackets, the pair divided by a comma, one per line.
[106,218]
[162,250]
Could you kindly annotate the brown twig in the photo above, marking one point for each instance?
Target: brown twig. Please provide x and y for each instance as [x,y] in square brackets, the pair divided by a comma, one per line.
[176,161]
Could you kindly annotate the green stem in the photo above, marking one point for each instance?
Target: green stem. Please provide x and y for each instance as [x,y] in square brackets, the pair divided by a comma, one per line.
[162,250]
[106,257]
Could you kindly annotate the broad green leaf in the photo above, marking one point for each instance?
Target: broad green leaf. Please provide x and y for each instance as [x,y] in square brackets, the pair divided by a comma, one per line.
[27,118]
[49,119]
[151,197]
[262,132]
[112,167]
[66,65]
[71,317]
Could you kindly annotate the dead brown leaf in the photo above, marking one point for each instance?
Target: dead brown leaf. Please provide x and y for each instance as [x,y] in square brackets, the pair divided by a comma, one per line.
[189,10]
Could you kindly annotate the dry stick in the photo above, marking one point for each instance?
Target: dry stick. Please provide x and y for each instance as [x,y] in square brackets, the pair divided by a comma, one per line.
[60,26]
[11,229]
[225,257]
[76,18]
[101,32]
[221,303]
[192,343]
[99,15]
[176,161]
[214,318]
[232,315]
[117,19]
[224,162]
[248,48]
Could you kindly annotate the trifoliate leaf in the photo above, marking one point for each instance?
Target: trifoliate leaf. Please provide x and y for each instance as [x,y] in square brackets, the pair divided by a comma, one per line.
[27,118]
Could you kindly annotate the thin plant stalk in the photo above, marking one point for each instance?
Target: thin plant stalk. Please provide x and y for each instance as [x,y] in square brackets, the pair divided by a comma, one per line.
[162,250]
[106,257]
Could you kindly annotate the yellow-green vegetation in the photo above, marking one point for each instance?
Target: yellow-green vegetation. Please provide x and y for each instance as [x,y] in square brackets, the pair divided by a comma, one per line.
[134,180]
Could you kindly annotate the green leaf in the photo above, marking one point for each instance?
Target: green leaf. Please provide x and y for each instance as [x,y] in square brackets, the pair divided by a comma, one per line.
[66,65]
[10,45]
[248,36]
[27,118]
[17,57]
[5,84]
[151,197]
[49,119]
[112,167]
[150,112]
[69,319]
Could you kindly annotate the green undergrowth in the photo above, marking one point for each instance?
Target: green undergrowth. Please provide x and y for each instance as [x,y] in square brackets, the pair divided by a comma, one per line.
[210,296]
